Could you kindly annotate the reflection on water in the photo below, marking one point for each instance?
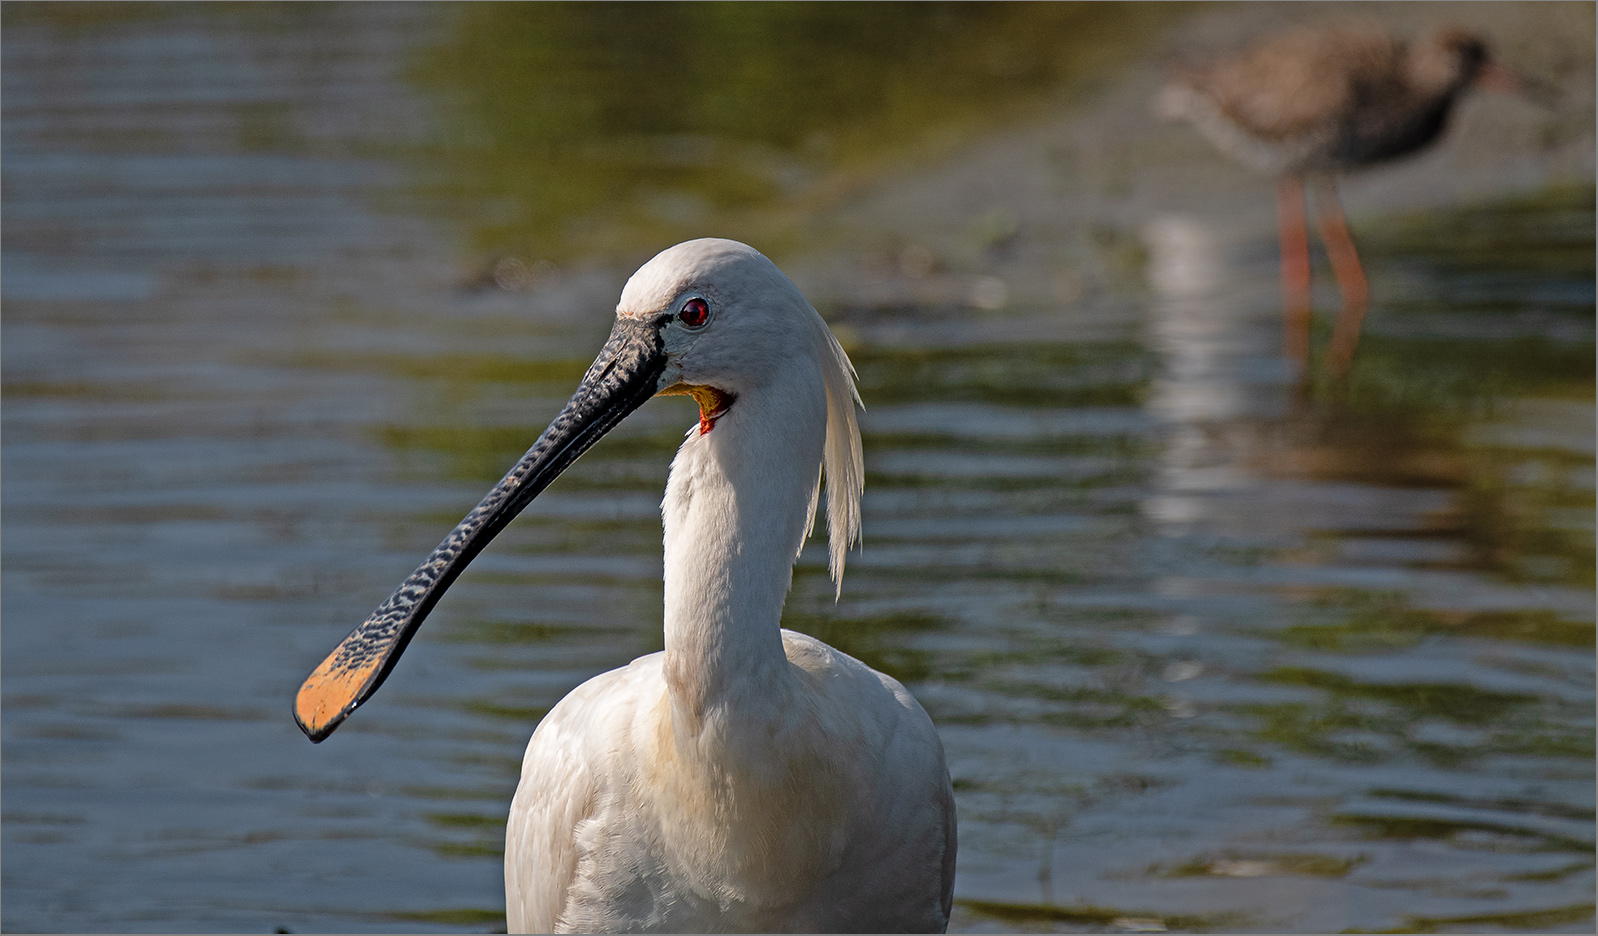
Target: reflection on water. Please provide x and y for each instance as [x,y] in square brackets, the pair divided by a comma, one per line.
[584,128]
[1204,656]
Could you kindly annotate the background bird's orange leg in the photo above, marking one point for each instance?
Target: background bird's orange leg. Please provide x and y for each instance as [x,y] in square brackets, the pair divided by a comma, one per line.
[1350,278]
[1295,269]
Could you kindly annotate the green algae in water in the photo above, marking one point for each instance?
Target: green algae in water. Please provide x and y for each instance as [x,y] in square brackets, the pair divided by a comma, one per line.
[1552,874]
[1043,376]
[884,642]
[1263,865]
[1455,702]
[1548,232]
[1522,920]
[1239,757]
[1456,382]
[453,916]
[1380,622]
[1490,836]
[466,821]
[1088,915]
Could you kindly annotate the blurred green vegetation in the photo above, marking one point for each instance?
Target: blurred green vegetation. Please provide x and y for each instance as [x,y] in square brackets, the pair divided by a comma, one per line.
[86,15]
[582,129]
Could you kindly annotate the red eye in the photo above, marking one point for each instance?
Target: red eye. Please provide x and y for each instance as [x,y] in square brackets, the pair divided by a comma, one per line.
[695,312]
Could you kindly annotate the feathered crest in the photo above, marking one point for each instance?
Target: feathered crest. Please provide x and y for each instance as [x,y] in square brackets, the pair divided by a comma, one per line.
[842,463]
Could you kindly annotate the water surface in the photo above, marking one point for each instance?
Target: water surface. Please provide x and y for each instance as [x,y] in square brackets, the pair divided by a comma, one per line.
[1205,653]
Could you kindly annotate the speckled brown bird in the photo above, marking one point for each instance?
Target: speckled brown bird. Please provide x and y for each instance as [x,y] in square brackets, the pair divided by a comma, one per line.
[1317,101]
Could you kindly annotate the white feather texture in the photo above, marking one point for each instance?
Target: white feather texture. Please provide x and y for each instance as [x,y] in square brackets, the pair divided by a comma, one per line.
[843,459]
[746,778]
[776,326]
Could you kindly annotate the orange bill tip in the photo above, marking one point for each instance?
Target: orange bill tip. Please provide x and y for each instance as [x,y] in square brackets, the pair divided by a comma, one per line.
[330,693]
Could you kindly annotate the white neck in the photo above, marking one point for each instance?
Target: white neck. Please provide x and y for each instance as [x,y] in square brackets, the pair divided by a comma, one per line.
[737,509]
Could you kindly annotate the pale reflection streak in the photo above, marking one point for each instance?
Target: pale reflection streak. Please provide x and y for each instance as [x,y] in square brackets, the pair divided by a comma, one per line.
[1206,338]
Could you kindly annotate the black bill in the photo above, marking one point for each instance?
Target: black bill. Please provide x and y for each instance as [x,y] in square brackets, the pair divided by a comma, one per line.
[626,373]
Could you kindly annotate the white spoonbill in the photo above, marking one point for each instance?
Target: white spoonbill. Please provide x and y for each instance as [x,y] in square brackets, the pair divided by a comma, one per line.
[747,778]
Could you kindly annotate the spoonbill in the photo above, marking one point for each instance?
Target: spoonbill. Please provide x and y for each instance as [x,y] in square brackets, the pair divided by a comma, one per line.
[747,778]
[1315,101]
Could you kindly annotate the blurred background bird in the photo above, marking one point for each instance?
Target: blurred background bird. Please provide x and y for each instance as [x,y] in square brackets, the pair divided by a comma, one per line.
[1315,101]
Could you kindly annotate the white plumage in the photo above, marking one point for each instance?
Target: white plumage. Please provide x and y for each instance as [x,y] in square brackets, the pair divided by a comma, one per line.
[747,778]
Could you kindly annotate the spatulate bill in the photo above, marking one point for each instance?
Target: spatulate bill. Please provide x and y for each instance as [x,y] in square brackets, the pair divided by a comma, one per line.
[627,372]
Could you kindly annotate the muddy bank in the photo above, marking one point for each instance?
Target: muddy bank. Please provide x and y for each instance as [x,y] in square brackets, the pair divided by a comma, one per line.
[1058,207]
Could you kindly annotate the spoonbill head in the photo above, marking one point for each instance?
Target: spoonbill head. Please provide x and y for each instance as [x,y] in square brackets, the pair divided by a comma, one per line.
[747,778]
